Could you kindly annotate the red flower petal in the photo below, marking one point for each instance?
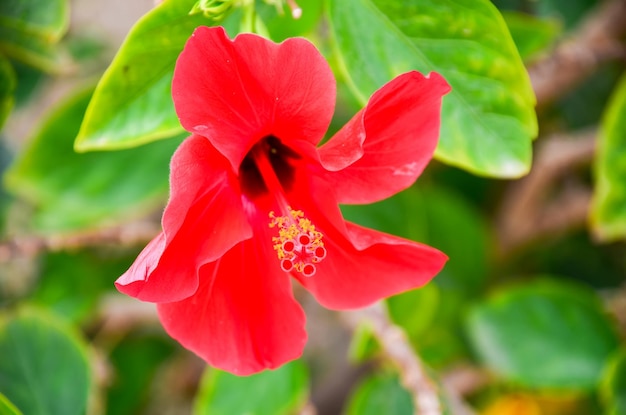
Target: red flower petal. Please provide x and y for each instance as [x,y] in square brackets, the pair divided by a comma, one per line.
[243,318]
[369,266]
[361,265]
[237,92]
[385,146]
[203,219]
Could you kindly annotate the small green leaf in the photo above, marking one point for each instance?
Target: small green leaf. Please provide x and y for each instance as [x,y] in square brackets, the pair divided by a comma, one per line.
[613,388]
[48,20]
[132,104]
[74,191]
[544,334]
[7,408]
[44,368]
[608,207]
[532,35]
[7,88]
[488,120]
[282,391]
[380,394]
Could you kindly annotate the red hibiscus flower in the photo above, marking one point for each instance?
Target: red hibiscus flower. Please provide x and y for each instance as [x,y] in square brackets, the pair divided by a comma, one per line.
[254,202]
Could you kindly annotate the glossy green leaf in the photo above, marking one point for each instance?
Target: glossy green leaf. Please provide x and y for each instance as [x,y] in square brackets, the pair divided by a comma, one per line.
[43,365]
[380,394]
[283,391]
[613,388]
[544,334]
[608,207]
[7,88]
[488,120]
[7,408]
[74,191]
[532,35]
[132,104]
[47,20]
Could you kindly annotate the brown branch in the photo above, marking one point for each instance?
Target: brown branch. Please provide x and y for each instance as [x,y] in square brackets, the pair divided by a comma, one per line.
[396,347]
[596,41]
[29,246]
[533,208]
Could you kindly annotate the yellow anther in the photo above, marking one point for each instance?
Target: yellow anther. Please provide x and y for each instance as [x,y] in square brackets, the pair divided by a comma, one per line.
[298,245]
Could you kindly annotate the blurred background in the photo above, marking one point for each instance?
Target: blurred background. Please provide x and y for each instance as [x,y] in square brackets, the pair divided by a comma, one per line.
[528,316]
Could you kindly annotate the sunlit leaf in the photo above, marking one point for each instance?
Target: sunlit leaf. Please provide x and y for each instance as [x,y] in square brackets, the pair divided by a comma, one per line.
[488,120]
[283,391]
[43,365]
[544,334]
[132,104]
[608,208]
[73,191]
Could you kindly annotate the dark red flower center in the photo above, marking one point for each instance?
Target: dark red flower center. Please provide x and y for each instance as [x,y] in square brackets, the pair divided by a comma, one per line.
[268,170]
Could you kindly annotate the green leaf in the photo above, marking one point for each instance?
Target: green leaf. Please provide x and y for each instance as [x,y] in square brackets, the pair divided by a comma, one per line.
[380,394]
[488,120]
[132,104]
[48,21]
[608,207]
[7,88]
[7,408]
[75,191]
[43,365]
[273,392]
[544,334]
[613,388]
[532,35]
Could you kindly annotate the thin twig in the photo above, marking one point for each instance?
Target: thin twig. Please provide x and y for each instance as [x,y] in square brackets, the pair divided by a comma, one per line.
[397,348]
[597,40]
[534,206]
[29,246]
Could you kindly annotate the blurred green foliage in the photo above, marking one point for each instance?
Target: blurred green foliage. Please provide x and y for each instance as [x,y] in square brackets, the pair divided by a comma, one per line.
[544,321]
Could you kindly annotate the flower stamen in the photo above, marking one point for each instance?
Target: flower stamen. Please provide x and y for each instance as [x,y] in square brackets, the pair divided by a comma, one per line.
[299,245]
